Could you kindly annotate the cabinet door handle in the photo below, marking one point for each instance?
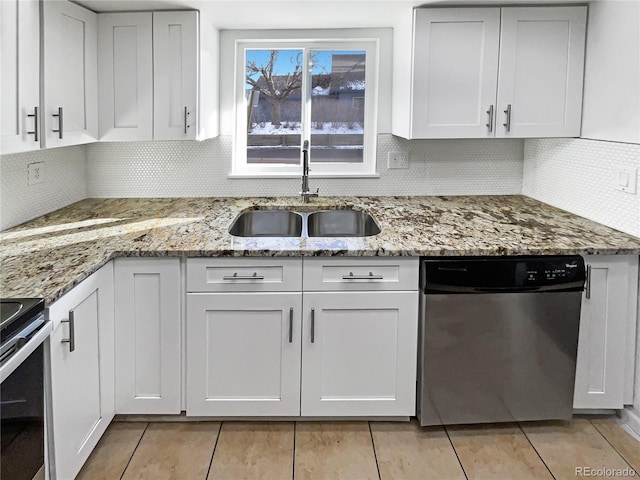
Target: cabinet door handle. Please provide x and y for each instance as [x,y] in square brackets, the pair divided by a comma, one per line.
[235,276]
[291,325]
[186,124]
[587,288]
[508,118]
[60,122]
[313,325]
[72,331]
[35,115]
[490,113]
[371,276]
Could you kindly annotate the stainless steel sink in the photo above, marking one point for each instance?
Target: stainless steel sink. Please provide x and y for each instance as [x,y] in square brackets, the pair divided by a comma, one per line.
[267,223]
[341,223]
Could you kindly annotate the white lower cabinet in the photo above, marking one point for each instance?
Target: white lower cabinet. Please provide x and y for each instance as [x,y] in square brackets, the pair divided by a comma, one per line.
[604,368]
[330,353]
[148,335]
[243,354]
[359,353]
[81,356]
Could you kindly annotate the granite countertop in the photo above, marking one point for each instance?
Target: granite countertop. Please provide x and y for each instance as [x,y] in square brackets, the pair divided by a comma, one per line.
[47,256]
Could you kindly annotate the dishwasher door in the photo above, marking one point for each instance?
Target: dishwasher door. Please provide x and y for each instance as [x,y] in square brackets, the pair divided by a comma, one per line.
[497,357]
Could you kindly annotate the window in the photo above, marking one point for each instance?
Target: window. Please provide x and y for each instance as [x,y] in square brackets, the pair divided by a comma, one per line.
[291,91]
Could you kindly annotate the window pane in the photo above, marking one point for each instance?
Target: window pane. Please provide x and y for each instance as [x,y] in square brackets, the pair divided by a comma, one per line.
[337,105]
[274,105]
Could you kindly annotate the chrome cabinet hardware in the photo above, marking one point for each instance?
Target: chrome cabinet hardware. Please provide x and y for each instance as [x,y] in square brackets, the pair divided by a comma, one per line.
[507,125]
[371,276]
[490,113]
[35,115]
[235,276]
[60,122]
[186,124]
[291,325]
[587,287]
[72,331]
[313,325]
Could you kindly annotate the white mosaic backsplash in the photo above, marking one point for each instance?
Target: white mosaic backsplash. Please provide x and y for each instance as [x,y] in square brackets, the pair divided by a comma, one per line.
[579,175]
[65,183]
[174,169]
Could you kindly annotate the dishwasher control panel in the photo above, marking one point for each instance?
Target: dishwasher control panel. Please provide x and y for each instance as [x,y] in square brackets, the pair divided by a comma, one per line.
[502,273]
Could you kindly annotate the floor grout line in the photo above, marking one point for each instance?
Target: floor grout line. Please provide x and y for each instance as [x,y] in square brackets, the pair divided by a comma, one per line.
[215,445]
[536,450]
[134,450]
[293,466]
[375,454]
[464,472]
[613,446]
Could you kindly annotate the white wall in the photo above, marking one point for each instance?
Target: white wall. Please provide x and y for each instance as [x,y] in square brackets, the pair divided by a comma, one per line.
[611,108]
[437,167]
[65,183]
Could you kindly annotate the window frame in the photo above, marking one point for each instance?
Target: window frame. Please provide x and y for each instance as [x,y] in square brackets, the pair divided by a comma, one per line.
[240,167]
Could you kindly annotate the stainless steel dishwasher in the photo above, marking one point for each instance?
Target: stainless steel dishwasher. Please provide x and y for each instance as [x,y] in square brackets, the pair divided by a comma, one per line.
[498,338]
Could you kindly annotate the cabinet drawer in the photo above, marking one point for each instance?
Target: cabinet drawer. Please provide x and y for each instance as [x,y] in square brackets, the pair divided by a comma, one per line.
[244,274]
[361,273]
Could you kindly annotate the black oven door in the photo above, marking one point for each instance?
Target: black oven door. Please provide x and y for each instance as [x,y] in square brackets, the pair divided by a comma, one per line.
[22,412]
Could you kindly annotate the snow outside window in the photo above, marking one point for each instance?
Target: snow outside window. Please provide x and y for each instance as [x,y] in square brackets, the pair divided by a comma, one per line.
[289,92]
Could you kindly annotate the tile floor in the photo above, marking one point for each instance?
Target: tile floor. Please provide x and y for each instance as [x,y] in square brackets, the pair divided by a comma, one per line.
[363,451]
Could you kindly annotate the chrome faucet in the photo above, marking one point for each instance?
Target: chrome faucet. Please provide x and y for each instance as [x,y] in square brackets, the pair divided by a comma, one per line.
[305,193]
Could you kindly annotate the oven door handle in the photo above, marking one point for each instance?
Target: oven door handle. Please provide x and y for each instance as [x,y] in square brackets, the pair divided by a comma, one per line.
[17,358]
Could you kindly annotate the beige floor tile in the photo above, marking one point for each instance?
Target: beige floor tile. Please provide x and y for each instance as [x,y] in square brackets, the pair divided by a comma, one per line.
[334,451]
[113,452]
[174,451]
[622,441]
[497,452]
[253,450]
[407,452]
[566,446]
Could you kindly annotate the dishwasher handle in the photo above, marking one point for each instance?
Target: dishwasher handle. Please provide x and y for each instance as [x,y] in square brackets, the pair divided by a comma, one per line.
[439,289]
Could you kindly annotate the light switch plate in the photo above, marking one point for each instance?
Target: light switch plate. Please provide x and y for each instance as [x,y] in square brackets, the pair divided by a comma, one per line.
[626,179]
[36,173]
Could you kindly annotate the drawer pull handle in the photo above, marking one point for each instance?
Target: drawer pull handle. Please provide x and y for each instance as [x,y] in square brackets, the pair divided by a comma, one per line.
[235,276]
[72,333]
[371,276]
[291,325]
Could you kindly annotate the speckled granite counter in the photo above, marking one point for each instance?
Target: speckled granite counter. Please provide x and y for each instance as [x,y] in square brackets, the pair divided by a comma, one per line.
[47,256]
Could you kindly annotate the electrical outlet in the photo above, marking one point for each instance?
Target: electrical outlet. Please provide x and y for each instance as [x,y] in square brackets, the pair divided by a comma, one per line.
[36,173]
[398,160]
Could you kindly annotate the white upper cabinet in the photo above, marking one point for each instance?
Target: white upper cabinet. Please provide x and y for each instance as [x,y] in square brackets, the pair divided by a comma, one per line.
[463,88]
[175,65]
[125,76]
[70,113]
[20,63]
[455,70]
[157,76]
[541,72]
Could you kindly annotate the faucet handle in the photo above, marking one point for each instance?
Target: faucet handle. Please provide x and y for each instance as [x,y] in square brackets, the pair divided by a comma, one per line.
[305,145]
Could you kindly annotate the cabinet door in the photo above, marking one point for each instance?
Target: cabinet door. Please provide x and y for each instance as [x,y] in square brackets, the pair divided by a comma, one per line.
[20,62]
[243,354]
[147,332]
[82,372]
[455,72]
[175,75]
[600,367]
[70,74]
[541,72]
[359,353]
[125,76]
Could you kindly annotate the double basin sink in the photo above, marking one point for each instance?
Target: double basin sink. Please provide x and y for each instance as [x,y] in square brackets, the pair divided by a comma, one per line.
[287,223]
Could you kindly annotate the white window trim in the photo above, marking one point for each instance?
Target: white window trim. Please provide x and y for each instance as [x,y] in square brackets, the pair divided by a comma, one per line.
[240,168]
